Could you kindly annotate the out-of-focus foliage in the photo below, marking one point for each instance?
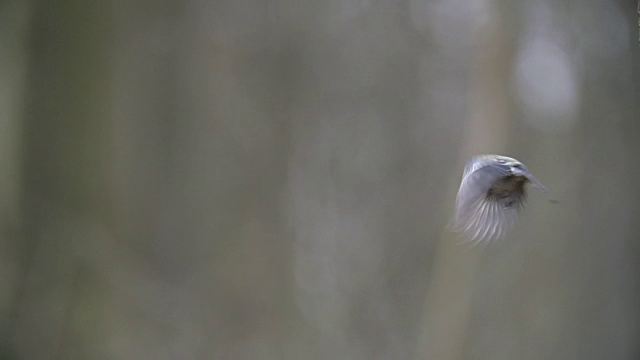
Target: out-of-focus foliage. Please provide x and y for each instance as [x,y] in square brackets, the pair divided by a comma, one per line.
[270,179]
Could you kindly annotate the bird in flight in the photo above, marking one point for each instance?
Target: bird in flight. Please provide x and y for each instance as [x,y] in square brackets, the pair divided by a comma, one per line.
[491,194]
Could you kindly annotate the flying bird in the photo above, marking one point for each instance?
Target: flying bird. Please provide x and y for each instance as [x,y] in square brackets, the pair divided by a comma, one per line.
[491,194]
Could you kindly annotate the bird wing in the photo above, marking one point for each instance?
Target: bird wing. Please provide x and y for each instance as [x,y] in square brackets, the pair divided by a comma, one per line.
[476,216]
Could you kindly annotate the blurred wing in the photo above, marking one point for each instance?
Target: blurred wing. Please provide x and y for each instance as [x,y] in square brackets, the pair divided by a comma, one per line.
[477,216]
[486,220]
[477,180]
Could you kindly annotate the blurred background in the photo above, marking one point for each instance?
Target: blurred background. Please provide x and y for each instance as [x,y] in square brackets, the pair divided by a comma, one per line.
[272,179]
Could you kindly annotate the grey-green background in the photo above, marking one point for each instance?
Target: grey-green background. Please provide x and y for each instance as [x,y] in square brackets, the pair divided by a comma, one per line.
[273,179]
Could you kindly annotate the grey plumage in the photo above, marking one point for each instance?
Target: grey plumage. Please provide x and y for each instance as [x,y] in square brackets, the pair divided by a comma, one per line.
[491,194]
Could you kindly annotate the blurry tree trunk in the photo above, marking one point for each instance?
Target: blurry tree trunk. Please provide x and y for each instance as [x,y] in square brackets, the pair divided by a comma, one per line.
[203,122]
[452,277]
[65,178]
[13,54]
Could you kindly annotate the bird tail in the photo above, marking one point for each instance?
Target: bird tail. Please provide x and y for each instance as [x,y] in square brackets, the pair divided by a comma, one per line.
[541,187]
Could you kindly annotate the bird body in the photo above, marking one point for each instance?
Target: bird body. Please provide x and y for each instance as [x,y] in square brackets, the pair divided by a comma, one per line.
[492,192]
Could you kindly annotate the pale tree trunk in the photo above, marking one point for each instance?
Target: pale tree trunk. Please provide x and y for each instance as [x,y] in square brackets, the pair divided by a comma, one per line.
[453,275]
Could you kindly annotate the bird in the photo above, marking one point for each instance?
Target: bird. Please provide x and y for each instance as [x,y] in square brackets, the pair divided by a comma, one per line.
[492,193]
